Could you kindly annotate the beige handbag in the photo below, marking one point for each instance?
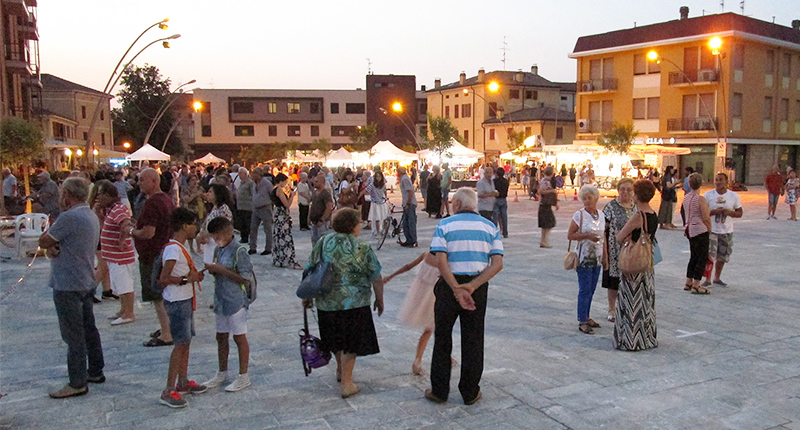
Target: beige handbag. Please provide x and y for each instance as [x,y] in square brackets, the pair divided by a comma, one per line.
[637,257]
[571,258]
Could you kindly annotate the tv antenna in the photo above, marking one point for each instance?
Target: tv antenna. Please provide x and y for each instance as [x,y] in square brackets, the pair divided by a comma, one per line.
[741,6]
[369,66]
[504,49]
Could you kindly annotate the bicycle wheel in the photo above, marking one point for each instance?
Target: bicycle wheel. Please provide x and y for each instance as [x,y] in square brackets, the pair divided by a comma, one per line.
[385,226]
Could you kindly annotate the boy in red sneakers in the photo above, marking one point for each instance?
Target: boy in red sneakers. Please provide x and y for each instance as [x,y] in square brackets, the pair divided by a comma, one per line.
[179,276]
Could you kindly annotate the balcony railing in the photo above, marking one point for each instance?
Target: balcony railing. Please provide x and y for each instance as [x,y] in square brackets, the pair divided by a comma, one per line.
[594,126]
[597,85]
[692,124]
[694,76]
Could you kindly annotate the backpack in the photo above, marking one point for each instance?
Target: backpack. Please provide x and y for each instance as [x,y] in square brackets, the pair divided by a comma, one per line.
[251,291]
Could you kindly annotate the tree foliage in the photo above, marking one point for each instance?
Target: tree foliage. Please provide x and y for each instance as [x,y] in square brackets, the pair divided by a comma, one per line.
[619,138]
[20,141]
[250,155]
[441,132]
[365,137]
[323,146]
[515,140]
[143,94]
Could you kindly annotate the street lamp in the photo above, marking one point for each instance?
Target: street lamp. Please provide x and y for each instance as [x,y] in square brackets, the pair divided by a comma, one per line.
[493,87]
[126,145]
[168,101]
[198,106]
[397,108]
[109,86]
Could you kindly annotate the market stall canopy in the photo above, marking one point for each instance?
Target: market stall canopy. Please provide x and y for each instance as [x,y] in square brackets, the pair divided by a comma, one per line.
[386,151]
[659,149]
[459,150]
[209,159]
[148,153]
[340,154]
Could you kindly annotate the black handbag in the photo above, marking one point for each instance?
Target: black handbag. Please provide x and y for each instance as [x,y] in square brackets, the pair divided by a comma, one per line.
[316,280]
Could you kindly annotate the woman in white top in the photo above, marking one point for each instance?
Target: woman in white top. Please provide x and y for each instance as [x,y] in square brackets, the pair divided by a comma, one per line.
[376,188]
[587,227]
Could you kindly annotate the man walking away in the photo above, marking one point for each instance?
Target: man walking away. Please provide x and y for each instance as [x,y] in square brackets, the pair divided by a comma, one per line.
[500,215]
[409,209]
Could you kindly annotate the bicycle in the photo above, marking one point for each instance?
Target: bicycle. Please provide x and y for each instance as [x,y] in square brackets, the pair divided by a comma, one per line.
[607,183]
[390,224]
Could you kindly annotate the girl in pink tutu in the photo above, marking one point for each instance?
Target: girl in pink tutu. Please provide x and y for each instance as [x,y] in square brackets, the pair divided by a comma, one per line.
[417,308]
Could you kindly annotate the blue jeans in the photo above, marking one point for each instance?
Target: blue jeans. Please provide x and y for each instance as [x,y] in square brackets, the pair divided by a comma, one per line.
[587,283]
[78,330]
[500,214]
[318,230]
[410,224]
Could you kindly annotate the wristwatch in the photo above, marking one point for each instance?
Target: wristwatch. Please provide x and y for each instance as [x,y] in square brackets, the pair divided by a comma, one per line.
[184,280]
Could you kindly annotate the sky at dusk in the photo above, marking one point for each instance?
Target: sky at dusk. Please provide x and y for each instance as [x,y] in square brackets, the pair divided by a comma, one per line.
[325,45]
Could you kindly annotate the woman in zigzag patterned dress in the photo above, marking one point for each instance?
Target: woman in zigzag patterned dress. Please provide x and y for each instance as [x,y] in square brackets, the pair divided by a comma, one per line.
[635,325]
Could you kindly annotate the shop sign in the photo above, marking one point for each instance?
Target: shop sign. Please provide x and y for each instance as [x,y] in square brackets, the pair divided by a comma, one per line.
[658,141]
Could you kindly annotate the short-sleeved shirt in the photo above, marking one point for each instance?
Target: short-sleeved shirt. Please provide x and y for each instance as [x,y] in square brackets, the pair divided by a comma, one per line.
[8,185]
[110,247]
[590,253]
[501,185]
[48,197]
[722,224]
[774,181]
[302,187]
[356,267]
[319,202]
[244,195]
[230,296]
[175,293]
[376,194]
[405,186]
[446,179]
[122,189]
[77,231]
[485,186]
[155,213]
[469,240]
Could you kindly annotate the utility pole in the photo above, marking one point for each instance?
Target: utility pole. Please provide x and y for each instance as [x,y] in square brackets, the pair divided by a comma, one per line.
[504,49]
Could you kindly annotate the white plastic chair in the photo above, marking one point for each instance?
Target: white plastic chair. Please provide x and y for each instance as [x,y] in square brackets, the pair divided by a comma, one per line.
[29,228]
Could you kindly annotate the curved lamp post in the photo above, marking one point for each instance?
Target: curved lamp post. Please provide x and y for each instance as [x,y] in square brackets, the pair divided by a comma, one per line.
[493,87]
[168,101]
[398,110]
[109,86]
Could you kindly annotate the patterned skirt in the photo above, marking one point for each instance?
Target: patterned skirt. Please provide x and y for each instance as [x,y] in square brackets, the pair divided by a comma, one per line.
[282,242]
[635,326]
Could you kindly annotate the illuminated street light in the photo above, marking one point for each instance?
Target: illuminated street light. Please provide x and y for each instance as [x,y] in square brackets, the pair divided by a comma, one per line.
[68,152]
[79,152]
[126,145]
[198,106]
[715,44]
[397,107]
[95,152]
[494,86]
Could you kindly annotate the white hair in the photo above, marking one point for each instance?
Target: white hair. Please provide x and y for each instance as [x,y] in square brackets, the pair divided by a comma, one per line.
[243,171]
[588,189]
[468,198]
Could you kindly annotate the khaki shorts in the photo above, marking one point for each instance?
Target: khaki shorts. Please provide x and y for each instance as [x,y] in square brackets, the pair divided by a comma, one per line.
[121,276]
[720,246]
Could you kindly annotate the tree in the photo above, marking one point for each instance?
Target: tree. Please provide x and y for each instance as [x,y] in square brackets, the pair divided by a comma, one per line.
[143,94]
[21,142]
[441,132]
[619,138]
[515,140]
[323,146]
[364,137]
[253,154]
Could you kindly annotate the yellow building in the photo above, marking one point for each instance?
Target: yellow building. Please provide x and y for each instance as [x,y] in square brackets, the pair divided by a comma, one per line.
[486,107]
[737,106]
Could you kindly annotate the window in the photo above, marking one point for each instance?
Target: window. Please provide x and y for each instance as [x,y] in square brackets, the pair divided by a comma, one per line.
[86,136]
[559,132]
[102,115]
[342,130]
[334,107]
[653,106]
[272,107]
[455,111]
[492,110]
[273,130]
[243,130]
[83,112]
[639,108]
[513,94]
[783,110]
[447,111]
[355,108]
[242,107]
[313,108]
[491,134]
[466,136]
[205,131]
[736,105]
[531,95]
[293,130]
[315,130]
[767,113]
[423,130]
[738,57]
[293,107]
[103,135]
[786,66]
[769,64]
[422,108]
[466,111]
[639,64]
[528,131]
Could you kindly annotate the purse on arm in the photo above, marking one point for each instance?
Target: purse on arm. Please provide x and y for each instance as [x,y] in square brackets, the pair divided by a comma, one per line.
[637,257]
[571,258]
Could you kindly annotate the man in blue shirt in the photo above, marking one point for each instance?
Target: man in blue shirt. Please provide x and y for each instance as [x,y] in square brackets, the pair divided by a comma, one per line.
[469,252]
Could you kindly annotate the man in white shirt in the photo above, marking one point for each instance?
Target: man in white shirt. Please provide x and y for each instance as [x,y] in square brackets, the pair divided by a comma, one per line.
[9,188]
[486,194]
[723,205]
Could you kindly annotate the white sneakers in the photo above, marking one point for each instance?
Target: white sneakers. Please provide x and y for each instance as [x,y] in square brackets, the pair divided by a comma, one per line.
[241,381]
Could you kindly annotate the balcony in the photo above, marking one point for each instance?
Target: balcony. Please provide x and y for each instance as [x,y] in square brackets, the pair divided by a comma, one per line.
[17,59]
[596,85]
[694,77]
[692,124]
[594,126]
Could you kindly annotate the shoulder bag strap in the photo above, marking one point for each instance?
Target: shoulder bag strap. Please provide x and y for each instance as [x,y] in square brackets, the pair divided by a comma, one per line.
[195,285]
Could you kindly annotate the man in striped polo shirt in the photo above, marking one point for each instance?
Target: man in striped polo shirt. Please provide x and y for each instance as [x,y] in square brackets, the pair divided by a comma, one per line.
[469,252]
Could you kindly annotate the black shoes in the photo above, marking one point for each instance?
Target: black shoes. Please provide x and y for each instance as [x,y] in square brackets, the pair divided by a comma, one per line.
[407,245]
[110,295]
[252,251]
[96,379]
[266,252]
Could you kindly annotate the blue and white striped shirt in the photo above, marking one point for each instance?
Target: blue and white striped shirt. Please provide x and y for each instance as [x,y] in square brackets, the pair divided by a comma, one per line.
[469,241]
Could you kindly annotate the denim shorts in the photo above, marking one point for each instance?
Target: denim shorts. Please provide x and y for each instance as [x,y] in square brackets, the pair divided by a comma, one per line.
[773,199]
[181,320]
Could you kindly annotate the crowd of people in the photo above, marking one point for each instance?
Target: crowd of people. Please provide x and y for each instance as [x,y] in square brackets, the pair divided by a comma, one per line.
[174,217]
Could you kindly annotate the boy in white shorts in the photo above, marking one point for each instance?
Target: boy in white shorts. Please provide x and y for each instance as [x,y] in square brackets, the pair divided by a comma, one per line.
[232,271]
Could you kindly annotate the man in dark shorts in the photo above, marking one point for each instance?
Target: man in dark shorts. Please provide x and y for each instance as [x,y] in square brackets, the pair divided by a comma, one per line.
[151,233]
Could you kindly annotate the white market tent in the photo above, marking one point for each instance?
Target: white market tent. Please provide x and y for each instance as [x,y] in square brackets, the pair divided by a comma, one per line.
[386,151]
[209,159]
[459,150]
[457,154]
[148,153]
[340,154]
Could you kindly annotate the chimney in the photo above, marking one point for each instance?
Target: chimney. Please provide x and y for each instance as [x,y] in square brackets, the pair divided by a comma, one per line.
[422,88]
[796,24]
[462,78]
[684,12]
[535,69]
[481,75]
[437,83]
[519,76]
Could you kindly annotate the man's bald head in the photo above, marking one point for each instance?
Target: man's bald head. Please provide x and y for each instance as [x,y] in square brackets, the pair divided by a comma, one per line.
[149,181]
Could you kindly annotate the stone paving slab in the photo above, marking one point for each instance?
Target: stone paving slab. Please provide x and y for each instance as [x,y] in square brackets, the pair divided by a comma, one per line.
[724,361]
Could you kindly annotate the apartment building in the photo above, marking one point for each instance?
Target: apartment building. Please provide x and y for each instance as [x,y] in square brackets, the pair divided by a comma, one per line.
[487,107]
[397,108]
[19,58]
[736,105]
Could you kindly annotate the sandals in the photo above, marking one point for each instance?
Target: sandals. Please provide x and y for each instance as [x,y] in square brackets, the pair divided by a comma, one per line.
[591,323]
[297,266]
[612,317]
[157,342]
[687,287]
[585,328]
[700,290]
